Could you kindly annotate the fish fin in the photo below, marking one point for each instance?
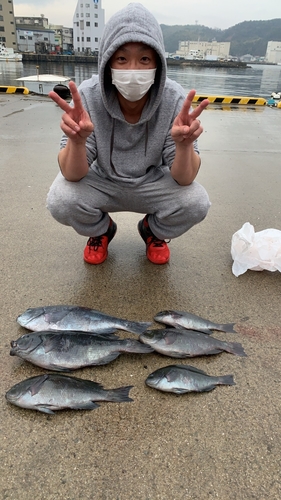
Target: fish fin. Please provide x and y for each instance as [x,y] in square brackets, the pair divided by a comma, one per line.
[137,327]
[120,395]
[106,359]
[45,409]
[227,327]
[179,391]
[207,389]
[226,380]
[235,348]
[88,405]
[191,369]
[170,336]
[132,345]
[35,387]
[58,368]
[54,342]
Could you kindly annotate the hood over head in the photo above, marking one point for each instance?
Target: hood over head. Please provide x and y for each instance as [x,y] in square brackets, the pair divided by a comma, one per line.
[134,23]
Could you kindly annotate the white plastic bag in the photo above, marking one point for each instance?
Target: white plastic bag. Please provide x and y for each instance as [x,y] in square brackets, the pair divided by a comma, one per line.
[255,251]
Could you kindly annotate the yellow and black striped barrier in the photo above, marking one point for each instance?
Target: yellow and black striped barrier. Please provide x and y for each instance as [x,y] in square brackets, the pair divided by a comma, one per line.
[252,101]
[10,89]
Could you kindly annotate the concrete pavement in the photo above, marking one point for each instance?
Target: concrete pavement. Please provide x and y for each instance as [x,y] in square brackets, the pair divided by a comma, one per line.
[224,444]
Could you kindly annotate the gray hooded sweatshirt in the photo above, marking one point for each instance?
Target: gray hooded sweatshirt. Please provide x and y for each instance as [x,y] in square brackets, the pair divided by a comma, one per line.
[116,149]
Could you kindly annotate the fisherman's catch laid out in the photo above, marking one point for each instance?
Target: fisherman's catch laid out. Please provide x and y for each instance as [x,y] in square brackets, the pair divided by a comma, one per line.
[66,338]
[187,343]
[185,378]
[65,351]
[52,392]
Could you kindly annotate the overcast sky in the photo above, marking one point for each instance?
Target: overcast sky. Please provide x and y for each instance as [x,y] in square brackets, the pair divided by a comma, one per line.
[216,14]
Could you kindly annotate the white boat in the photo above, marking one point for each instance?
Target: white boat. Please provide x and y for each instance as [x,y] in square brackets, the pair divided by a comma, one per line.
[43,84]
[7,54]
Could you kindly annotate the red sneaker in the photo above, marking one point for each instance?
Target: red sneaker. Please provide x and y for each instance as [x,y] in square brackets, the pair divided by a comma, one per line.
[96,252]
[157,251]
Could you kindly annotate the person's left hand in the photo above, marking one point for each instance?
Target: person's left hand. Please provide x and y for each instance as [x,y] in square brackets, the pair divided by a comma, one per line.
[186,127]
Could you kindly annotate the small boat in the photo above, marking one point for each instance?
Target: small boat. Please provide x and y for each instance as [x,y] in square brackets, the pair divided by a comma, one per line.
[43,84]
[7,54]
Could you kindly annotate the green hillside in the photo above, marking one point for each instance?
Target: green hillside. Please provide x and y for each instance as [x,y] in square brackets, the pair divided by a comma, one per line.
[249,37]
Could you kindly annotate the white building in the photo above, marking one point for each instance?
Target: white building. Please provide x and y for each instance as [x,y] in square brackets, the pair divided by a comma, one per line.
[203,50]
[273,52]
[88,25]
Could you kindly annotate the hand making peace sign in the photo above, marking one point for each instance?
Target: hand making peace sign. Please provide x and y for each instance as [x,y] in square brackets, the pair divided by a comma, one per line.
[186,127]
[75,121]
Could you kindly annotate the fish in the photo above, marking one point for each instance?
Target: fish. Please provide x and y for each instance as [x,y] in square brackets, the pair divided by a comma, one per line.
[51,392]
[192,322]
[63,317]
[184,378]
[66,351]
[181,343]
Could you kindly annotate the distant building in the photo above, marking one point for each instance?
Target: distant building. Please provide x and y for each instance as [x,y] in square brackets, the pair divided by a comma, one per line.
[8,24]
[203,50]
[88,25]
[33,35]
[273,52]
[63,38]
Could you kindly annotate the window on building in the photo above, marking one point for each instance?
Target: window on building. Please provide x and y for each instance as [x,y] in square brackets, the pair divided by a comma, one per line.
[88,23]
[78,39]
[0,6]
[96,15]
[87,5]
[1,18]
[96,39]
[77,24]
[82,15]
[96,25]
[81,25]
[77,15]
[87,14]
[96,6]
[2,39]
[22,37]
[45,38]
[2,28]
[88,38]
[82,39]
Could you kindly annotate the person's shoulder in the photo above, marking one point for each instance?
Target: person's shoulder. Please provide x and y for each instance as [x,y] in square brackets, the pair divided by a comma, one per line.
[174,88]
[90,83]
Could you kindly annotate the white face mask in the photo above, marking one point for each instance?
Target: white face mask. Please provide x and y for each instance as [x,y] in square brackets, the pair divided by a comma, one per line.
[133,84]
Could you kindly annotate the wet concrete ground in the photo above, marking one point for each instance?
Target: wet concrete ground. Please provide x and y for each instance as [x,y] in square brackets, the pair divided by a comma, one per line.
[224,444]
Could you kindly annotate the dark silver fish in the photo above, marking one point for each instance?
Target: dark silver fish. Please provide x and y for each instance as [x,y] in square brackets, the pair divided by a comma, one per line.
[76,318]
[192,322]
[65,351]
[184,378]
[51,392]
[179,343]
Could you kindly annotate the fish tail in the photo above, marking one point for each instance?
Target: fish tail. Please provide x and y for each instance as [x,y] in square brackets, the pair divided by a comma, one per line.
[228,328]
[226,380]
[236,348]
[132,345]
[137,327]
[120,395]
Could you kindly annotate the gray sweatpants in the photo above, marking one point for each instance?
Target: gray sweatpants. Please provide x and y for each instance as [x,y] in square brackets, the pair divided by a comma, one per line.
[84,205]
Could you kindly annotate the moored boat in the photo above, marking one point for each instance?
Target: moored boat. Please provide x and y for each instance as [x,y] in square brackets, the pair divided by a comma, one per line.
[7,54]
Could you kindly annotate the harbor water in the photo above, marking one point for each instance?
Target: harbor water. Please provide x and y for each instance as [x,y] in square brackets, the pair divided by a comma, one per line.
[254,80]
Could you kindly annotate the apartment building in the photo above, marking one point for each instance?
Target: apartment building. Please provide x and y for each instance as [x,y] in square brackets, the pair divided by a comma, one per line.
[88,25]
[8,24]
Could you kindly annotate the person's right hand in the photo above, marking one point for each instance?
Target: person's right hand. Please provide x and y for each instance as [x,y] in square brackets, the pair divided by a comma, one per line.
[75,121]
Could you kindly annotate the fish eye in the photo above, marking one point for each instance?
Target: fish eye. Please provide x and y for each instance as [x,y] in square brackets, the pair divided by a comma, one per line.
[13,343]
